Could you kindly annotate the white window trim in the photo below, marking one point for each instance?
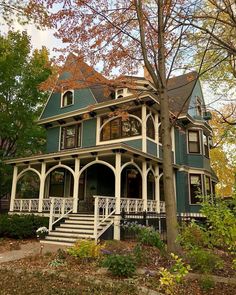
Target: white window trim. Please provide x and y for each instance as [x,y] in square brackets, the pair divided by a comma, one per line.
[81,134]
[99,130]
[189,191]
[73,98]
[200,141]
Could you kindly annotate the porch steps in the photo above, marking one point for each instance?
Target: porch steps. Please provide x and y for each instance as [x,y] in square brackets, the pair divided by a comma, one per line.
[73,228]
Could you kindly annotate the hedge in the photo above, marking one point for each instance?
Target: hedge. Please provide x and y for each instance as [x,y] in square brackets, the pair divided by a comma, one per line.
[21,226]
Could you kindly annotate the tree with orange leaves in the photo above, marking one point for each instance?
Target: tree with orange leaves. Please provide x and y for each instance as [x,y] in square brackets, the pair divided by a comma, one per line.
[123,35]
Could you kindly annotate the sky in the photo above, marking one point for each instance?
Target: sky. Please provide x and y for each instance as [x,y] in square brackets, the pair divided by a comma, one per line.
[41,38]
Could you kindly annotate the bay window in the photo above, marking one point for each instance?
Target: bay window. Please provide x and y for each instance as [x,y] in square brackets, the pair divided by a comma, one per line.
[195,188]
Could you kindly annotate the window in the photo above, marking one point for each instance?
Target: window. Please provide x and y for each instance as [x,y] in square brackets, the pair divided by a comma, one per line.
[118,128]
[207,186]
[193,142]
[150,128]
[70,137]
[195,187]
[206,146]
[67,98]
[198,107]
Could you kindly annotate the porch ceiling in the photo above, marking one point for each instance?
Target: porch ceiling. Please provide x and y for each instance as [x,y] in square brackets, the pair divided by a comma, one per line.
[85,153]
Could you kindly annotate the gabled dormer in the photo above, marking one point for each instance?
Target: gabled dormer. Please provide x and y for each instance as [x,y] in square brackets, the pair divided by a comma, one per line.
[77,87]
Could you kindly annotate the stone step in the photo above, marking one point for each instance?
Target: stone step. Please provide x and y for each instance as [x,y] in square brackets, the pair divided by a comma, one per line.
[57,243]
[79,221]
[81,218]
[68,239]
[75,229]
[68,234]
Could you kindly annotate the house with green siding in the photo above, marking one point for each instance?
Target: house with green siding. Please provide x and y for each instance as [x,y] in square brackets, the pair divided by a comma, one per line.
[104,153]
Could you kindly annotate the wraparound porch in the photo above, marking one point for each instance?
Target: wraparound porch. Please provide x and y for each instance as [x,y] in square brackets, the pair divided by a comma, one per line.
[132,181]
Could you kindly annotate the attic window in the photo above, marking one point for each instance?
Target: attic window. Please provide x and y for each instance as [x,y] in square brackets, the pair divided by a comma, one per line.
[198,107]
[67,98]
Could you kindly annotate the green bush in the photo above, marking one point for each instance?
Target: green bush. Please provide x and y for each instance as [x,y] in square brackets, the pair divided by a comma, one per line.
[206,283]
[85,249]
[204,261]
[120,265]
[221,219]
[148,236]
[192,236]
[21,226]
[145,235]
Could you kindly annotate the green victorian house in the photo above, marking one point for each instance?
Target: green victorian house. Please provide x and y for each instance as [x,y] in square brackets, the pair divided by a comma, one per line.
[104,153]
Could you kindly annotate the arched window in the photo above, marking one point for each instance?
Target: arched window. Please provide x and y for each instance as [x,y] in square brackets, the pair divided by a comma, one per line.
[118,128]
[67,98]
[150,128]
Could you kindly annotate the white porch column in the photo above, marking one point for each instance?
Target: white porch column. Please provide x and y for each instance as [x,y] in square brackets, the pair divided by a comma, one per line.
[76,185]
[144,128]
[157,188]
[117,196]
[144,185]
[42,186]
[157,133]
[13,188]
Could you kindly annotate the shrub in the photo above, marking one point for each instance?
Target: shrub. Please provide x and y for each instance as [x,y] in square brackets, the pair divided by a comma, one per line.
[204,261]
[192,236]
[85,249]
[120,265]
[206,283]
[145,235]
[221,219]
[21,226]
[170,278]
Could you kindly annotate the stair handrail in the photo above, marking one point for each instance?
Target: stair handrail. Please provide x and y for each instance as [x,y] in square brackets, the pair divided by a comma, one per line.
[106,213]
[63,211]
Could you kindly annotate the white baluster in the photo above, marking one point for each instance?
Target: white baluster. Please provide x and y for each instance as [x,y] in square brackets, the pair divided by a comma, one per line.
[21,205]
[96,213]
[51,213]
[63,206]
[30,205]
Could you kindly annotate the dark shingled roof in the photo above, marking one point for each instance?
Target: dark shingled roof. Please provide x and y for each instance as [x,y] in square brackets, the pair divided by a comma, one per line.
[179,90]
[80,75]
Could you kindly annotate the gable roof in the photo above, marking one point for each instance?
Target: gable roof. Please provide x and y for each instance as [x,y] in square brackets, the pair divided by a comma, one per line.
[76,74]
[180,89]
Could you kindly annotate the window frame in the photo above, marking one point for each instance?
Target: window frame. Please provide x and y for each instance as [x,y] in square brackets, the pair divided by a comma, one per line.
[208,178]
[190,191]
[63,105]
[198,142]
[206,147]
[77,137]
[150,118]
[120,127]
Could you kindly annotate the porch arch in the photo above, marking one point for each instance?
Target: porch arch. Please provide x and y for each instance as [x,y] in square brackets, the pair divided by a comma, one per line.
[60,166]
[97,162]
[132,164]
[26,170]
[27,185]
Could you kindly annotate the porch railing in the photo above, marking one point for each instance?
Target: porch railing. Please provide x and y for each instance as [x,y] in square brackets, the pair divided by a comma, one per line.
[131,205]
[31,205]
[104,208]
[59,208]
[26,205]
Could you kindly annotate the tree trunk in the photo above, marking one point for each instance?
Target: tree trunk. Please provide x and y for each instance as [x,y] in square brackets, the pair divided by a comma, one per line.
[170,201]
